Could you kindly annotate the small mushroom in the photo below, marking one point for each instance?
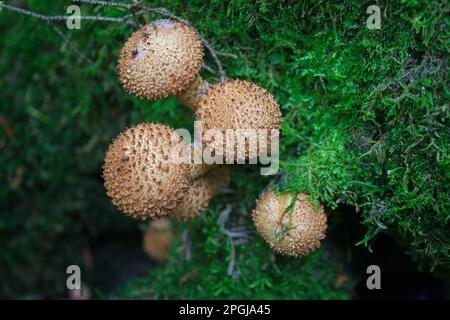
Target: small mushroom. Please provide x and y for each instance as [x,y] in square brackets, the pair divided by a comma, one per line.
[290,225]
[160,60]
[237,105]
[157,238]
[200,192]
[139,175]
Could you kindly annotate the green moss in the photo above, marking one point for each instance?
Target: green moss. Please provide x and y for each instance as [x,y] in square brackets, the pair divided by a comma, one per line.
[257,272]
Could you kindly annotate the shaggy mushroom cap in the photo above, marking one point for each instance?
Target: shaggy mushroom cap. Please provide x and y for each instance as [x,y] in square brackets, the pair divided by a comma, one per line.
[160,60]
[238,104]
[200,192]
[139,175]
[289,228]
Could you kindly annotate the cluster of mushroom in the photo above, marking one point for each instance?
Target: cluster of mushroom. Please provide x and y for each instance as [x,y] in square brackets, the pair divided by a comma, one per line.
[163,59]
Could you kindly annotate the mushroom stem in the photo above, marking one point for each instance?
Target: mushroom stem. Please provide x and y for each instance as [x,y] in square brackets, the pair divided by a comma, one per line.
[200,192]
[198,170]
[191,95]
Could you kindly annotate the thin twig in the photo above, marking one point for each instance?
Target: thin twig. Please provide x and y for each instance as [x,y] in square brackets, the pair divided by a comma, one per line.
[61,18]
[226,54]
[136,9]
[70,44]
[207,68]
[223,75]
[107,3]
[186,245]
[237,236]
[7,128]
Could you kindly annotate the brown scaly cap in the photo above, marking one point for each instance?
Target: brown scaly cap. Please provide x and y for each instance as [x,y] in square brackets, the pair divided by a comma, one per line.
[139,175]
[160,60]
[292,231]
[238,104]
[200,192]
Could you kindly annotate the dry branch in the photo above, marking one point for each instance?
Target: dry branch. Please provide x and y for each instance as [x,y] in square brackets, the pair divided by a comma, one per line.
[134,9]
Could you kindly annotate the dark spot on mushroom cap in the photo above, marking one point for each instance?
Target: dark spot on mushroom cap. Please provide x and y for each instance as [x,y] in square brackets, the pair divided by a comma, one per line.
[173,58]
